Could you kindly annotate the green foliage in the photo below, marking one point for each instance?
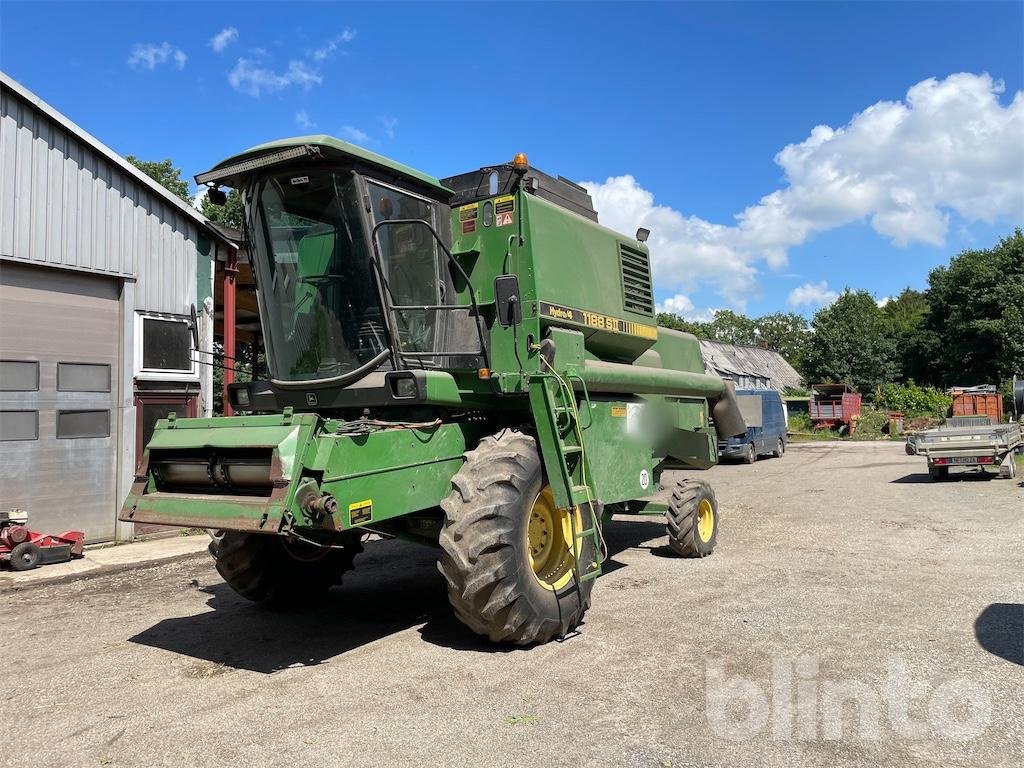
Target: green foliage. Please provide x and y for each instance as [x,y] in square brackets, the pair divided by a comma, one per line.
[243,370]
[915,346]
[785,332]
[676,323]
[852,343]
[800,422]
[975,322]
[913,400]
[872,425]
[231,214]
[165,174]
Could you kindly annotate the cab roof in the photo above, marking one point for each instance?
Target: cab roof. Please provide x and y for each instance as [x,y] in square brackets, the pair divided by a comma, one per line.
[330,148]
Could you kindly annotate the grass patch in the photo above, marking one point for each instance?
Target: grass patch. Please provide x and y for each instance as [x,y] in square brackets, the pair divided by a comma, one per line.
[521,720]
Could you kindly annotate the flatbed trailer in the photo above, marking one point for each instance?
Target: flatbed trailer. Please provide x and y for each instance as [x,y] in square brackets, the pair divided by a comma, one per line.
[980,448]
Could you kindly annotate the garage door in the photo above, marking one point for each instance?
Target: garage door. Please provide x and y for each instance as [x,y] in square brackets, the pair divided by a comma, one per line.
[59,371]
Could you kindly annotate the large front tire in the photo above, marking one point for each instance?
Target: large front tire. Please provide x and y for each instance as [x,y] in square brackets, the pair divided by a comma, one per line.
[507,554]
[267,569]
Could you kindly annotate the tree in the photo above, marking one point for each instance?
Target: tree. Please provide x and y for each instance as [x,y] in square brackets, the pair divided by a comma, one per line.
[976,314]
[165,174]
[732,328]
[915,345]
[785,332]
[677,323]
[852,343]
[231,214]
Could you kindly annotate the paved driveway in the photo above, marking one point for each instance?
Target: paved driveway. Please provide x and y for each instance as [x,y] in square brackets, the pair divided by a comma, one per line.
[855,613]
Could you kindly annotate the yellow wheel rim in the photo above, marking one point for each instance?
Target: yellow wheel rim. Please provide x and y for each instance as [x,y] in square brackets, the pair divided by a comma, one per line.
[549,541]
[705,520]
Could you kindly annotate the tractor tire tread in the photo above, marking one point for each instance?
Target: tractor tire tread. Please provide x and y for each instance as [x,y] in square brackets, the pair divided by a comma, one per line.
[681,518]
[479,559]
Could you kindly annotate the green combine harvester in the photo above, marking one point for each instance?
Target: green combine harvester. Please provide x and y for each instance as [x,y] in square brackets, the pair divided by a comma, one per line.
[471,363]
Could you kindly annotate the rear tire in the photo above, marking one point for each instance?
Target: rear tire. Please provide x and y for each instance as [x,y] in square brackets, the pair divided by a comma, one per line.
[25,556]
[779,449]
[692,519]
[487,559]
[267,569]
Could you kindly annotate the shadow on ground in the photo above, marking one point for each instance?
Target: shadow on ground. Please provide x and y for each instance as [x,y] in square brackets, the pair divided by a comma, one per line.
[394,587]
[924,477]
[999,629]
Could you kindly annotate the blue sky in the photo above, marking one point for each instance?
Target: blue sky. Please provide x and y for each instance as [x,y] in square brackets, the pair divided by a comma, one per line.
[674,114]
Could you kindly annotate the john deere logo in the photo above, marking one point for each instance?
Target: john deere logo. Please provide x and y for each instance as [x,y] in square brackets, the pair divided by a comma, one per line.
[311,399]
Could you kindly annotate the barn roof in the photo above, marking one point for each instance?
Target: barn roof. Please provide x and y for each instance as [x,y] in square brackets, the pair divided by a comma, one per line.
[732,360]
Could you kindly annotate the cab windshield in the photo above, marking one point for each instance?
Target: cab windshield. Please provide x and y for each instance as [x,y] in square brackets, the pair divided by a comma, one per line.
[321,312]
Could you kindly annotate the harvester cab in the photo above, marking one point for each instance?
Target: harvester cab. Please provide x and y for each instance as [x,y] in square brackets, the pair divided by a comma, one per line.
[470,363]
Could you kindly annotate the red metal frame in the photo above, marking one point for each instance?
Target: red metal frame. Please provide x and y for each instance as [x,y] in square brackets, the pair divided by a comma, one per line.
[833,404]
[230,279]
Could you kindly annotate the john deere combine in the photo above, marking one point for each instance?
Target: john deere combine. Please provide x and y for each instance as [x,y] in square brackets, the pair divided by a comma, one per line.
[471,363]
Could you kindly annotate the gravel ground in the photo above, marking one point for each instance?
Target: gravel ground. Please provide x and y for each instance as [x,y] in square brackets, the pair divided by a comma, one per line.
[854,614]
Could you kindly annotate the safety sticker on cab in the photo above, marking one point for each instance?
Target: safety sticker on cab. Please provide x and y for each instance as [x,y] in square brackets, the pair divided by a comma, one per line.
[504,207]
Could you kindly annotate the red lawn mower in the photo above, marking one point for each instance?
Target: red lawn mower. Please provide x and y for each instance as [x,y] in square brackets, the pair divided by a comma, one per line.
[25,549]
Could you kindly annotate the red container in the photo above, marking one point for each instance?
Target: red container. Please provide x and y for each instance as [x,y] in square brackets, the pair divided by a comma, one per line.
[978,404]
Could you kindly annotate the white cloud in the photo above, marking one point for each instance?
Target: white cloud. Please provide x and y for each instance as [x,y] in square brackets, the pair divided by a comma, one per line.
[352,133]
[197,200]
[812,295]
[883,301]
[949,147]
[686,251]
[253,80]
[223,39]
[389,123]
[680,304]
[347,35]
[302,120]
[150,55]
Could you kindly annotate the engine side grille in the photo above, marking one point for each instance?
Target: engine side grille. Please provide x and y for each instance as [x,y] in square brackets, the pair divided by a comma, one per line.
[637,295]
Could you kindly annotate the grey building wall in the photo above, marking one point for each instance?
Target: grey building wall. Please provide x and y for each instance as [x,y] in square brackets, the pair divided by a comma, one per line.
[65,203]
[68,201]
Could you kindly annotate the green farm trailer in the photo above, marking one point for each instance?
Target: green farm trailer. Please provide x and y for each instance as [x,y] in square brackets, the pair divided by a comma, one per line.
[471,363]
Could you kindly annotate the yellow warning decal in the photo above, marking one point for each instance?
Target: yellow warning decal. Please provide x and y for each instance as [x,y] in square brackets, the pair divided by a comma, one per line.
[360,512]
[619,411]
[468,211]
[505,204]
[598,321]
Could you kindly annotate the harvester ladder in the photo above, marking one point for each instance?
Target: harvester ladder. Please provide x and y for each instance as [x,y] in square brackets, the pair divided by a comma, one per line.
[563,445]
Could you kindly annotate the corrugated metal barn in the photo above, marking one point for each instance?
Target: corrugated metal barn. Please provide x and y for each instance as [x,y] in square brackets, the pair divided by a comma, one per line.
[749,367]
[99,267]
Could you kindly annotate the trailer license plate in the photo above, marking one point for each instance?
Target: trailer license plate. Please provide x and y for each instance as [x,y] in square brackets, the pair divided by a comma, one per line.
[963,460]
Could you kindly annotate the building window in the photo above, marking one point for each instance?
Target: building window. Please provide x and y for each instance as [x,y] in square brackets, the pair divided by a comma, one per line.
[83,377]
[19,376]
[164,347]
[72,425]
[19,425]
